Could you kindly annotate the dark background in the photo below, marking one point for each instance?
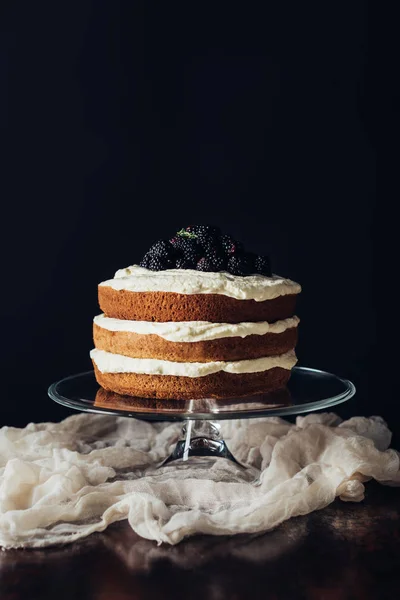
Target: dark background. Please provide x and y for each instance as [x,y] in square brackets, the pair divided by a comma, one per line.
[124,121]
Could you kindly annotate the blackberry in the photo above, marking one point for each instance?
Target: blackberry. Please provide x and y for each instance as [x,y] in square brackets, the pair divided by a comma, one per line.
[213,249]
[230,245]
[240,264]
[204,265]
[263,266]
[159,263]
[163,249]
[188,247]
[204,229]
[205,242]
[218,263]
[204,233]
[183,263]
[145,261]
[215,255]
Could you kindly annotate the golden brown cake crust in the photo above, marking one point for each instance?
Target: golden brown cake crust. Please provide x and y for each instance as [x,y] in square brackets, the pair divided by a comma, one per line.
[169,306]
[154,346]
[217,385]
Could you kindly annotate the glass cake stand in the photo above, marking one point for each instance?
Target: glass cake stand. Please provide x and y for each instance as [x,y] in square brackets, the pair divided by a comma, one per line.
[308,390]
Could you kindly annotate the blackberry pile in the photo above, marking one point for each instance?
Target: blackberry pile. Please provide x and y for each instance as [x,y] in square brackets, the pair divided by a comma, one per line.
[205,248]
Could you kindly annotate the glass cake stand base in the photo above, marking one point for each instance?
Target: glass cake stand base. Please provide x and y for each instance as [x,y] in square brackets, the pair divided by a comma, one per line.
[200,438]
[308,390]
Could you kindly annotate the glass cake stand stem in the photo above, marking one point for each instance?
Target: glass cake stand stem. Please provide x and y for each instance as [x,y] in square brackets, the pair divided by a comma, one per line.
[201,438]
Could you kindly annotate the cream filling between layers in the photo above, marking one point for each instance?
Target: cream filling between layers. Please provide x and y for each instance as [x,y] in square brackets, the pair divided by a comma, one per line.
[188,281]
[107,362]
[194,331]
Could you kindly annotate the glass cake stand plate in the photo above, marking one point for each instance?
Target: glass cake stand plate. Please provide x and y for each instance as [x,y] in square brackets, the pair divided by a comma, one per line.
[308,390]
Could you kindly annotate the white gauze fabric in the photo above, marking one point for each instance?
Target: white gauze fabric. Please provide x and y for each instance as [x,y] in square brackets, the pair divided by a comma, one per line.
[62,481]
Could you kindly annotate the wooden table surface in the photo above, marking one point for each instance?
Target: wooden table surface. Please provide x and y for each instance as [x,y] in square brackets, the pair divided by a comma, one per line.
[346,551]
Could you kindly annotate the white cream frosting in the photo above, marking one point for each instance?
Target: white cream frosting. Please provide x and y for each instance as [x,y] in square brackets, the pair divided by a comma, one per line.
[194,331]
[107,362]
[188,281]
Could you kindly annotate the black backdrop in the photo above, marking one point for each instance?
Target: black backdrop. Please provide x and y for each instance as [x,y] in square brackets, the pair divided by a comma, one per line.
[124,121]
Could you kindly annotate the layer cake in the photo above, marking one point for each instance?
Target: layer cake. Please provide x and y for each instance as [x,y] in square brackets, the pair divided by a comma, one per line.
[184,333]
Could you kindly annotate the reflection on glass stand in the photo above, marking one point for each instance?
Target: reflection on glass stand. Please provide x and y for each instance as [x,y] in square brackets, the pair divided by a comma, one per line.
[308,390]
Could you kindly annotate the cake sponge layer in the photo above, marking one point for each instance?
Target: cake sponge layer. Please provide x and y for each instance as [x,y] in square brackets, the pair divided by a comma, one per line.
[169,306]
[217,385]
[136,345]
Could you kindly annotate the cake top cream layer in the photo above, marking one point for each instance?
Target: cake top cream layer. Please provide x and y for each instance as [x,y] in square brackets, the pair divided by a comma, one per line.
[194,331]
[188,281]
[107,362]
